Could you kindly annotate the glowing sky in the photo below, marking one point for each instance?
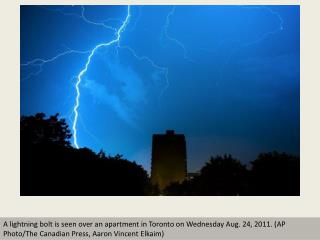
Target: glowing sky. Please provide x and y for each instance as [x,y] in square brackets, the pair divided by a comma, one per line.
[228,77]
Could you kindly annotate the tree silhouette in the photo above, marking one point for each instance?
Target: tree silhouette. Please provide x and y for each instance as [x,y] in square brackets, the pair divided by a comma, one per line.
[50,166]
[272,174]
[38,130]
[275,174]
[222,175]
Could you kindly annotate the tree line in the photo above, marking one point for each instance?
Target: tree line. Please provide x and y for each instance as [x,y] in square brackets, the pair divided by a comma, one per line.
[50,166]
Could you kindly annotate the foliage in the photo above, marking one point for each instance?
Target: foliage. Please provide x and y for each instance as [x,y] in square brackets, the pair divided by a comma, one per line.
[50,166]
[38,130]
[272,174]
[275,174]
[222,175]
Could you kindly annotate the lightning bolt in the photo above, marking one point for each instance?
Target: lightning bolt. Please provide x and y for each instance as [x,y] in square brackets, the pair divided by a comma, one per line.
[85,69]
[279,28]
[170,38]
[83,16]
[137,18]
[266,34]
[39,62]
[101,24]
[164,70]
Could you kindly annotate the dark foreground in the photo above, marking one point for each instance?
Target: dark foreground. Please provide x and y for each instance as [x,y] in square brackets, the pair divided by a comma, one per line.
[50,166]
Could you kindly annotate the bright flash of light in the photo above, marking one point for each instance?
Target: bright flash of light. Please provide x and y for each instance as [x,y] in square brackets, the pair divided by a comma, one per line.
[116,40]
[39,62]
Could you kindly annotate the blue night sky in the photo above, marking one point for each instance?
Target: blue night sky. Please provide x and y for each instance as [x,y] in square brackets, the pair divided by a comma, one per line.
[228,77]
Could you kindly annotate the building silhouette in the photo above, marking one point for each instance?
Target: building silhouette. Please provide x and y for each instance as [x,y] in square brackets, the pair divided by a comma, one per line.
[169,159]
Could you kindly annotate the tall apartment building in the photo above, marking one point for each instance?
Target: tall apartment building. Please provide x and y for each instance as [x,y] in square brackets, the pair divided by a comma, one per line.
[169,159]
